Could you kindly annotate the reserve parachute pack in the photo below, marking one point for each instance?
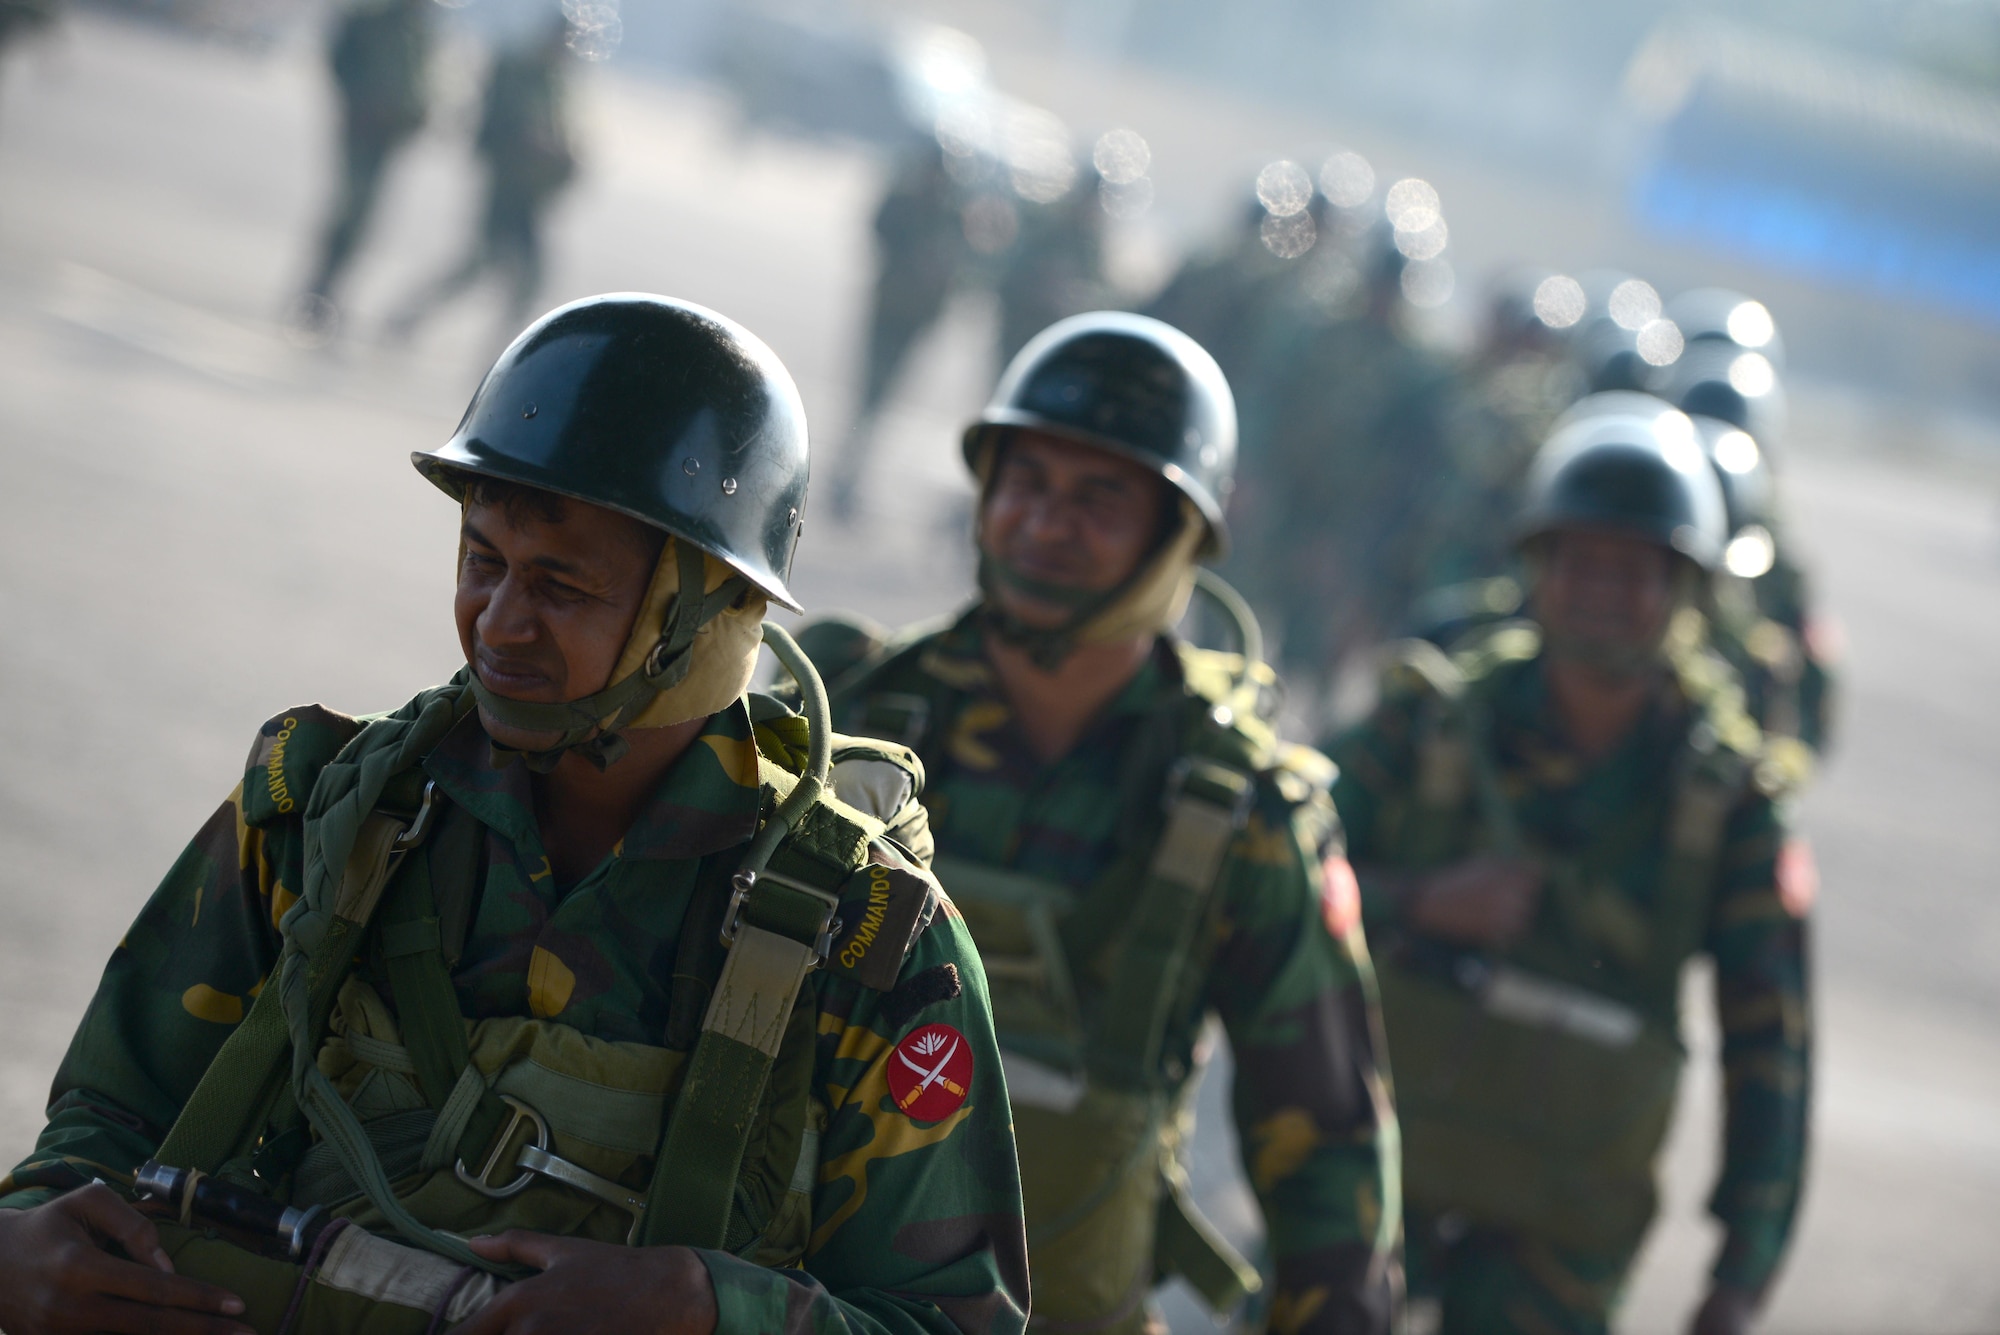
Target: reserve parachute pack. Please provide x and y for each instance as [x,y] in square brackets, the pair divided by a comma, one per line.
[383,1137]
[1102,1111]
[1535,1090]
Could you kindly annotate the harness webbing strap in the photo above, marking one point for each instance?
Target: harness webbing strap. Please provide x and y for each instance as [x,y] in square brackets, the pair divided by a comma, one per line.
[236,1094]
[1206,806]
[694,1177]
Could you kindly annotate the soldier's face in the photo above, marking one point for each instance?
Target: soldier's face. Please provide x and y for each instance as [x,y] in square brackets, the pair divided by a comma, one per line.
[544,607]
[1606,592]
[1069,515]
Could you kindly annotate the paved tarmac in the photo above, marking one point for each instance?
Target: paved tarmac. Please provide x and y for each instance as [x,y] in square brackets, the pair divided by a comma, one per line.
[206,523]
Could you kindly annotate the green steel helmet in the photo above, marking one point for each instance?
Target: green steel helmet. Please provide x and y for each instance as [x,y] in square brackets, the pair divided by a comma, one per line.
[1131,385]
[1638,473]
[1733,385]
[657,408]
[1718,315]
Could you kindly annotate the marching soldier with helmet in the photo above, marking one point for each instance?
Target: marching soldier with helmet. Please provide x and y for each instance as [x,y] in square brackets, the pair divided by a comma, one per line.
[1134,850]
[1728,381]
[587,991]
[1547,823]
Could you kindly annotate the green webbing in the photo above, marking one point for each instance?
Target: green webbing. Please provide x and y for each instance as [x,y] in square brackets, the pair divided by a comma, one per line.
[427,1009]
[701,1149]
[1202,819]
[233,1099]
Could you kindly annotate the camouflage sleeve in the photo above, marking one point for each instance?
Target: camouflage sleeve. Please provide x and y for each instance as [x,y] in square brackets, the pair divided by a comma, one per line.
[1294,986]
[175,987]
[917,1221]
[1757,936]
[1377,761]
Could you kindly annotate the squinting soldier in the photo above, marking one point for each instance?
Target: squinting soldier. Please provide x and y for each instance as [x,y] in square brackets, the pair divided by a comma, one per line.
[1135,851]
[570,995]
[1547,824]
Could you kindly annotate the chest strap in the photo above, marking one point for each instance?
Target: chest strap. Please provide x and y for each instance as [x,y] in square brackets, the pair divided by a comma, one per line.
[1207,804]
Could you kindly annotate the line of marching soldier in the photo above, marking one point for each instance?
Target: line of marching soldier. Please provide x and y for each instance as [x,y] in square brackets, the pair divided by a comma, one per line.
[594,990]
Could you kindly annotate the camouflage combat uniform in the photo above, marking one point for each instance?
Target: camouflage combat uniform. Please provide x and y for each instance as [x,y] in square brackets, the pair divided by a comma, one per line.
[913,1224]
[1317,1130]
[1535,1084]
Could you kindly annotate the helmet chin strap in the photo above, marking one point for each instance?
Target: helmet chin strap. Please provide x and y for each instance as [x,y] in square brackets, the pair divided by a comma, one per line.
[1046,646]
[590,726]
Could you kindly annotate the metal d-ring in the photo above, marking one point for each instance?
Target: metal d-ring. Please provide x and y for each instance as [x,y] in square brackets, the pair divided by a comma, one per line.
[477,1181]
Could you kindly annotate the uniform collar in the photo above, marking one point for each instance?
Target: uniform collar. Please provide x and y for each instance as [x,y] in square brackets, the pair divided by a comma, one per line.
[707,802]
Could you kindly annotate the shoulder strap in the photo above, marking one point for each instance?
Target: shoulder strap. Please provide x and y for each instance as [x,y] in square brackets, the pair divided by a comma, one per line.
[778,927]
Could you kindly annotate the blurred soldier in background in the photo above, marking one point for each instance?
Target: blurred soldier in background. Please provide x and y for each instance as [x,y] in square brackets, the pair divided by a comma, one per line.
[380,53]
[21,18]
[524,141]
[1134,849]
[920,251]
[1517,381]
[1056,266]
[1763,613]
[1222,297]
[1546,825]
[1345,434]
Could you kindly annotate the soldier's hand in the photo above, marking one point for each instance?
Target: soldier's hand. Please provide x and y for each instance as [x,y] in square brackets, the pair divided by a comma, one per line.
[590,1287]
[1726,1311]
[1482,901]
[58,1274]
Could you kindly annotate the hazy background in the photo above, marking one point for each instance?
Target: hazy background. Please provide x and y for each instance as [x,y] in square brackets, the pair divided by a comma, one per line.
[206,519]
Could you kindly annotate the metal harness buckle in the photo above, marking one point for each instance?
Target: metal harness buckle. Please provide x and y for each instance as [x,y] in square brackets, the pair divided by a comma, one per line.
[745,881]
[420,825]
[478,1181]
[1242,791]
[535,1161]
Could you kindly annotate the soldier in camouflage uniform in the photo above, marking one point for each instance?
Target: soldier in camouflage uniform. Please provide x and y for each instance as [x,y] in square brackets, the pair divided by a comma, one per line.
[1546,825]
[1510,392]
[378,54]
[920,251]
[524,141]
[647,974]
[1351,419]
[1765,618]
[1055,267]
[1135,851]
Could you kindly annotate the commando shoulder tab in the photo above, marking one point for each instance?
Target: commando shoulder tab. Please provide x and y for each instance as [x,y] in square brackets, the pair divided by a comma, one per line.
[883,910]
[285,761]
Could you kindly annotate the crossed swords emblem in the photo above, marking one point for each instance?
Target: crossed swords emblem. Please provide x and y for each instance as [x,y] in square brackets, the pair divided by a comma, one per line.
[934,1076]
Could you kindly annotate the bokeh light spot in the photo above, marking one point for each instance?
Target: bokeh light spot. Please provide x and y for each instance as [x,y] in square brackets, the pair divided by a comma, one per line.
[1412,205]
[1660,343]
[1751,375]
[1346,180]
[1751,325]
[1560,301]
[1633,304]
[1121,156]
[1284,188]
[1735,452]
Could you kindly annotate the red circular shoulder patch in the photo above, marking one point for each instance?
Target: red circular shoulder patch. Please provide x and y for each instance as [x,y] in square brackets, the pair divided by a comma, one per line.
[930,1072]
[1339,896]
